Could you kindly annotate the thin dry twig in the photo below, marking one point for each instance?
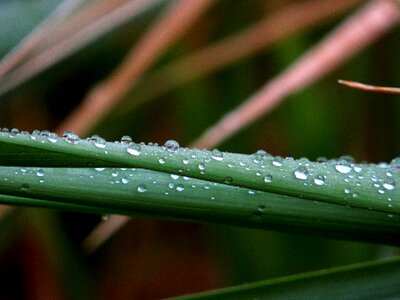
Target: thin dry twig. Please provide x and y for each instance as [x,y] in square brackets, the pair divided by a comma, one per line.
[103,232]
[370,88]
[288,21]
[360,30]
[163,33]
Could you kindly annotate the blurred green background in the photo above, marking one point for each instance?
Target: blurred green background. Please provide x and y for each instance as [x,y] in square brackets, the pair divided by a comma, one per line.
[41,255]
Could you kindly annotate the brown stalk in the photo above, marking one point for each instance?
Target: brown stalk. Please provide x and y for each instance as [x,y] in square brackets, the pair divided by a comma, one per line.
[163,33]
[370,88]
[357,32]
[288,21]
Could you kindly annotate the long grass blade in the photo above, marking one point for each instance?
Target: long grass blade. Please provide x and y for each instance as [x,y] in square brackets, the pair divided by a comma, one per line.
[200,184]
[371,280]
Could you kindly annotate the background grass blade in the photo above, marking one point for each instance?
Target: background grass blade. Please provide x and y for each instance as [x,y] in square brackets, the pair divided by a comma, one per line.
[372,280]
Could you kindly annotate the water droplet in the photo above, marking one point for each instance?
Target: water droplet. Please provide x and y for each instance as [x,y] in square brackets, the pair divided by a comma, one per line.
[134,149]
[53,137]
[161,161]
[99,142]
[231,165]
[124,180]
[250,192]
[319,180]
[259,211]
[40,173]
[343,167]
[268,178]
[105,217]
[5,129]
[142,188]
[114,173]
[357,169]
[347,158]
[217,155]
[389,185]
[185,161]
[395,163]
[180,188]
[301,173]
[174,176]
[126,139]
[277,161]
[100,169]
[70,137]
[171,145]
[228,180]
[25,187]
[202,166]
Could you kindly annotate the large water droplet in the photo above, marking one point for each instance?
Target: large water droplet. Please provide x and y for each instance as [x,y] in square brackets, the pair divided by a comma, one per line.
[395,163]
[201,166]
[171,145]
[319,180]
[126,139]
[301,173]
[389,185]
[134,149]
[343,167]
[180,188]
[161,161]
[174,176]
[268,178]
[277,161]
[70,137]
[99,142]
[124,180]
[53,137]
[142,188]
[217,155]
[40,173]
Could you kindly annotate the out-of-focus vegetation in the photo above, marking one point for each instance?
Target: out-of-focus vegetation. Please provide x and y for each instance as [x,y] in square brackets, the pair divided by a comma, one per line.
[41,255]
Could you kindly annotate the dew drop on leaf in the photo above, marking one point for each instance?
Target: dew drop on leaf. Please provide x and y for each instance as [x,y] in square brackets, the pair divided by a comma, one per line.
[171,145]
[277,161]
[174,176]
[134,149]
[217,155]
[268,178]
[70,137]
[126,139]
[40,173]
[180,188]
[389,185]
[343,167]
[301,173]
[142,188]
[319,180]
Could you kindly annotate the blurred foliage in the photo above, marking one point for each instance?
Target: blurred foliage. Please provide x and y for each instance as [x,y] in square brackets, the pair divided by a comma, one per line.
[151,259]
